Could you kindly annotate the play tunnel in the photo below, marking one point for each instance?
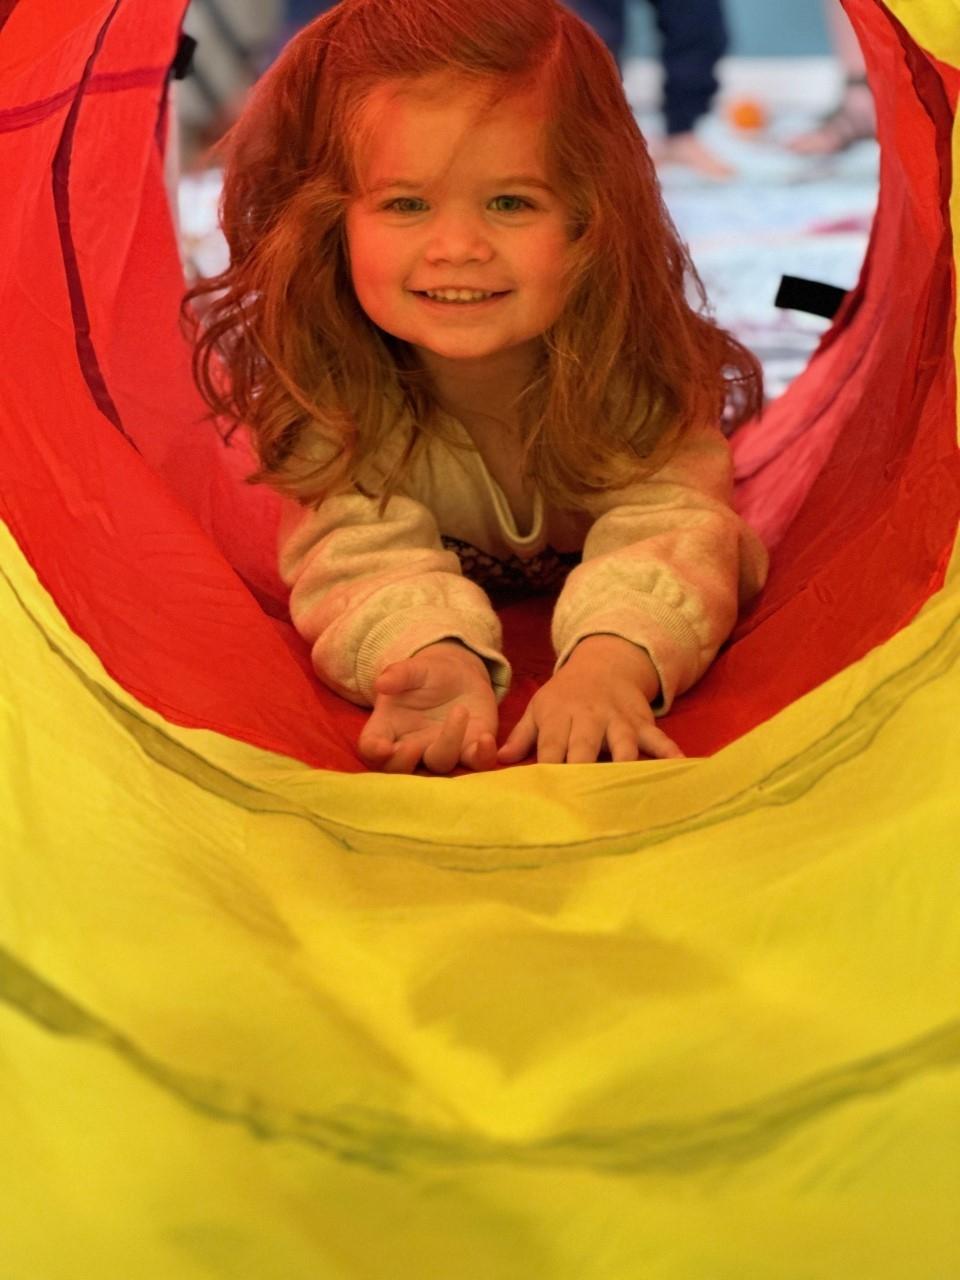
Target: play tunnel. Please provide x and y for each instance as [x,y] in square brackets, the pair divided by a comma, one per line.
[265,1014]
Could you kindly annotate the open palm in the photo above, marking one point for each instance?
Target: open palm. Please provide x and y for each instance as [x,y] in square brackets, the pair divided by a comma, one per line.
[436,707]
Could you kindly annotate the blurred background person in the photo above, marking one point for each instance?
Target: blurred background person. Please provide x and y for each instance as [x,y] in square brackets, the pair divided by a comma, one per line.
[693,39]
[236,42]
[854,118]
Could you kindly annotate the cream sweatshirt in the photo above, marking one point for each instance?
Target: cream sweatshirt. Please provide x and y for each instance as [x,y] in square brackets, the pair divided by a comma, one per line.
[666,564]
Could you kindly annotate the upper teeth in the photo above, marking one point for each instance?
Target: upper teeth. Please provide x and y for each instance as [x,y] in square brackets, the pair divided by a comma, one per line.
[458,295]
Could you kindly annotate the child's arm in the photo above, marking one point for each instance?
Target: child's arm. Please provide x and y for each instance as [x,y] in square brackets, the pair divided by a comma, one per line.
[369,592]
[666,566]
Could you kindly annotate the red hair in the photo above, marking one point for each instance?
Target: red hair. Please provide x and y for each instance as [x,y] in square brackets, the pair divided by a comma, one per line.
[284,346]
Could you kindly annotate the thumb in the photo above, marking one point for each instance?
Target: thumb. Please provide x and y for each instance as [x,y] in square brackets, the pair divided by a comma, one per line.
[399,677]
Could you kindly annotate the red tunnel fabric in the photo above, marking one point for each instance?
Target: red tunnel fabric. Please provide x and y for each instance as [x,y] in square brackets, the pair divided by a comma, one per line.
[132,510]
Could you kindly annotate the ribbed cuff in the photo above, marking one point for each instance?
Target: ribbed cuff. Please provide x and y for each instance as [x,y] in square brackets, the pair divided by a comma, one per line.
[403,634]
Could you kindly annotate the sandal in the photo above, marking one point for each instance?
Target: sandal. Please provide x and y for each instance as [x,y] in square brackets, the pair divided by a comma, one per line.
[854,120]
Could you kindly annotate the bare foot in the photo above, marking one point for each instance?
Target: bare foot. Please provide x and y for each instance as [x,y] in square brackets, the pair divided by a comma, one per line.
[854,120]
[687,150]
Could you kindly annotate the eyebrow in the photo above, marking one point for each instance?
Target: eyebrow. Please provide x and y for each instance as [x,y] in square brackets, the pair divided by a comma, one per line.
[516,180]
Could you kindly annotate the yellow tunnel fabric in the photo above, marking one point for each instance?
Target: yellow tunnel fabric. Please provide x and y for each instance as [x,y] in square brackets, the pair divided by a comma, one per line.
[695,1021]
[259,1023]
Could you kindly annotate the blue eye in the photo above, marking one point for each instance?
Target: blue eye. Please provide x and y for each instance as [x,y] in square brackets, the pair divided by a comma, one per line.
[407,199]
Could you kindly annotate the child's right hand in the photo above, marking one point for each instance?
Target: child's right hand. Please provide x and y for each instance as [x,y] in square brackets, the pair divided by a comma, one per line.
[438,705]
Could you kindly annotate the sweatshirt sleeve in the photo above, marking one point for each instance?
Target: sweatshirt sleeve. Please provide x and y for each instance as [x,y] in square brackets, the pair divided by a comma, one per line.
[366,592]
[667,565]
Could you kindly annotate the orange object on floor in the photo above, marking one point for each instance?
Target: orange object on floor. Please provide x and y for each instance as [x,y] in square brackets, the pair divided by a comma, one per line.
[747,114]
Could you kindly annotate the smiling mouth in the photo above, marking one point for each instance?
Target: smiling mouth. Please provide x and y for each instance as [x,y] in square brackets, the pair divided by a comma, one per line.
[420,293]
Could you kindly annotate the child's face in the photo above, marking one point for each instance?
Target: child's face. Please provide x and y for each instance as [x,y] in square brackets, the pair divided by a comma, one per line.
[472,229]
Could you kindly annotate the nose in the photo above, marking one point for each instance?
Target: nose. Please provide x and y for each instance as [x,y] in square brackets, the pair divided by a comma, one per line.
[465,230]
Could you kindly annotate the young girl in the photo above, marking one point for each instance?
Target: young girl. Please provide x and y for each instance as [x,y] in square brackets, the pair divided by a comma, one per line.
[455,323]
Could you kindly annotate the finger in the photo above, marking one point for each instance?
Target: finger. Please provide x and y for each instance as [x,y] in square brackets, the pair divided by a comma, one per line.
[389,678]
[552,741]
[374,749]
[654,742]
[401,677]
[481,754]
[443,754]
[520,742]
[406,756]
[586,739]
[622,742]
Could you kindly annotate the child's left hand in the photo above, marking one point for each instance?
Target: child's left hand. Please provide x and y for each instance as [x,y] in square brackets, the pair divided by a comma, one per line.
[600,696]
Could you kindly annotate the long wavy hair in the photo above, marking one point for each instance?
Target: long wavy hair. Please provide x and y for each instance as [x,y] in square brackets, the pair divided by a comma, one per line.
[283,347]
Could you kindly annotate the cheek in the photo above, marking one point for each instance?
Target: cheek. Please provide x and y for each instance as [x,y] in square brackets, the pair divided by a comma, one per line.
[549,268]
[549,258]
[369,256]
[382,266]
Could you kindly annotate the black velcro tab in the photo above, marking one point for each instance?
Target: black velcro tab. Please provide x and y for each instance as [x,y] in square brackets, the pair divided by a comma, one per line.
[816,299]
[183,62]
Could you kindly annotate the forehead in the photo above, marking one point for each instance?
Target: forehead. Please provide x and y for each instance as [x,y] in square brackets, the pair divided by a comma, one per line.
[419,135]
